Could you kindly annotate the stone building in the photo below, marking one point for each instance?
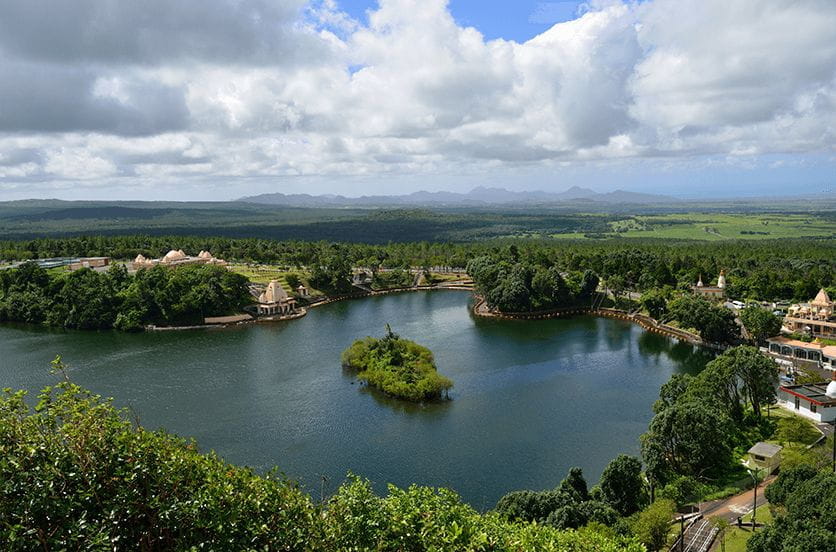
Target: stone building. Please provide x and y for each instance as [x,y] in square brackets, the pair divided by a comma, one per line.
[275,301]
[816,318]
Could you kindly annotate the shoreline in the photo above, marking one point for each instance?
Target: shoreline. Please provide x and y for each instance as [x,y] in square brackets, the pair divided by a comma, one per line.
[306,308]
[646,322]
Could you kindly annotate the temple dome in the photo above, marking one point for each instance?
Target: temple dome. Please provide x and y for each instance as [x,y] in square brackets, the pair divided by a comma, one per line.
[174,255]
[140,259]
[831,390]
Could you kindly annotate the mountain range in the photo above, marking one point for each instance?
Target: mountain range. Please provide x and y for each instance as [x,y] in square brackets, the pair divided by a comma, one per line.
[479,196]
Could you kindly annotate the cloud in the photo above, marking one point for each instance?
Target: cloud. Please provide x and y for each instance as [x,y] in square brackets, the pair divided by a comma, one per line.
[157,31]
[213,91]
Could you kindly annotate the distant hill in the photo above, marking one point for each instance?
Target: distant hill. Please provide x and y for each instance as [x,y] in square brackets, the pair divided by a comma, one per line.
[477,197]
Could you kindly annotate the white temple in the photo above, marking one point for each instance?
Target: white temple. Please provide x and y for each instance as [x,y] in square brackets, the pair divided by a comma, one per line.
[176,257]
[717,293]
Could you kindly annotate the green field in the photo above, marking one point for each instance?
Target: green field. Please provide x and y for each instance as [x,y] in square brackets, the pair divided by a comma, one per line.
[263,274]
[714,226]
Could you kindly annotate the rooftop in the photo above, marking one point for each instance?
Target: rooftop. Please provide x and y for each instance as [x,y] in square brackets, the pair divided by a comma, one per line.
[813,392]
[767,450]
[796,343]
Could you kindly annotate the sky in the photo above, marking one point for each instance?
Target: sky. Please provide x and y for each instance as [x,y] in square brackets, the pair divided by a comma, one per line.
[218,99]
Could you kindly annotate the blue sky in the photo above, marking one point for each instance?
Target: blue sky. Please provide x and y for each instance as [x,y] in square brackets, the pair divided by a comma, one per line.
[217,100]
[517,20]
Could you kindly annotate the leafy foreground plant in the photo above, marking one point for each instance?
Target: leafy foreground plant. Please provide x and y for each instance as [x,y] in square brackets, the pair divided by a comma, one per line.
[76,474]
[396,366]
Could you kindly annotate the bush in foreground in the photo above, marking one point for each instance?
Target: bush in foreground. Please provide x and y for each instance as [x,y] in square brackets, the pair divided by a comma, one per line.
[76,474]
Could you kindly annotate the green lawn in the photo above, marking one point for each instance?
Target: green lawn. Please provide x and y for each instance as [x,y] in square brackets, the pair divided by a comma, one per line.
[736,537]
[715,226]
[263,274]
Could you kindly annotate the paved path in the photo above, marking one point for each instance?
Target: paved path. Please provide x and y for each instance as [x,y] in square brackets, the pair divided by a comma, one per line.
[738,505]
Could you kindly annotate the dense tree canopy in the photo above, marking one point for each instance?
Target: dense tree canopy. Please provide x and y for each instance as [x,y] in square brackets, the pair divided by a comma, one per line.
[714,323]
[765,270]
[760,323]
[524,287]
[688,438]
[86,299]
[807,515]
[740,374]
[622,485]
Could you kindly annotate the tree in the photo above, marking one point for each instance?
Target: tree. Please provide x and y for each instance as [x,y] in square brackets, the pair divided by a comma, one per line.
[718,385]
[714,322]
[809,524]
[617,285]
[683,490]
[760,323]
[622,486]
[757,375]
[688,438]
[574,485]
[655,302]
[671,391]
[531,505]
[653,524]
[579,514]
[589,284]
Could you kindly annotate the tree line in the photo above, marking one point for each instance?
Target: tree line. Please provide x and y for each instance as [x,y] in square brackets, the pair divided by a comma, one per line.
[91,300]
[764,270]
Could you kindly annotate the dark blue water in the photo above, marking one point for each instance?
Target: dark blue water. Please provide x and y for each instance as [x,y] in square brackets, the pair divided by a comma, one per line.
[531,399]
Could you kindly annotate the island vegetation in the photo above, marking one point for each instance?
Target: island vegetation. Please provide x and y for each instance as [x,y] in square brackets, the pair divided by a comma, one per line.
[398,367]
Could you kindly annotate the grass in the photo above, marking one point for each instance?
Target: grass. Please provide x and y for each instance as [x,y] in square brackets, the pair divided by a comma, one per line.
[736,537]
[263,274]
[446,277]
[715,227]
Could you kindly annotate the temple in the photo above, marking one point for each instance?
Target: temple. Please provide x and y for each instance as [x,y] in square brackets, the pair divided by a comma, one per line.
[815,318]
[274,301]
[713,293]
[176,257]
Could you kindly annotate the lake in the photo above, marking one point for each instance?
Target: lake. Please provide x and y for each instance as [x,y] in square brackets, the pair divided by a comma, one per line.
[531,398]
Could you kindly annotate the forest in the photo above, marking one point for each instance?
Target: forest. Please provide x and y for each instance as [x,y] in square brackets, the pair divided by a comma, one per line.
[90,300]
[766,270]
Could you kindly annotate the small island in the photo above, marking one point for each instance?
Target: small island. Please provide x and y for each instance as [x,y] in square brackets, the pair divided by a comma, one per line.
[398,367]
